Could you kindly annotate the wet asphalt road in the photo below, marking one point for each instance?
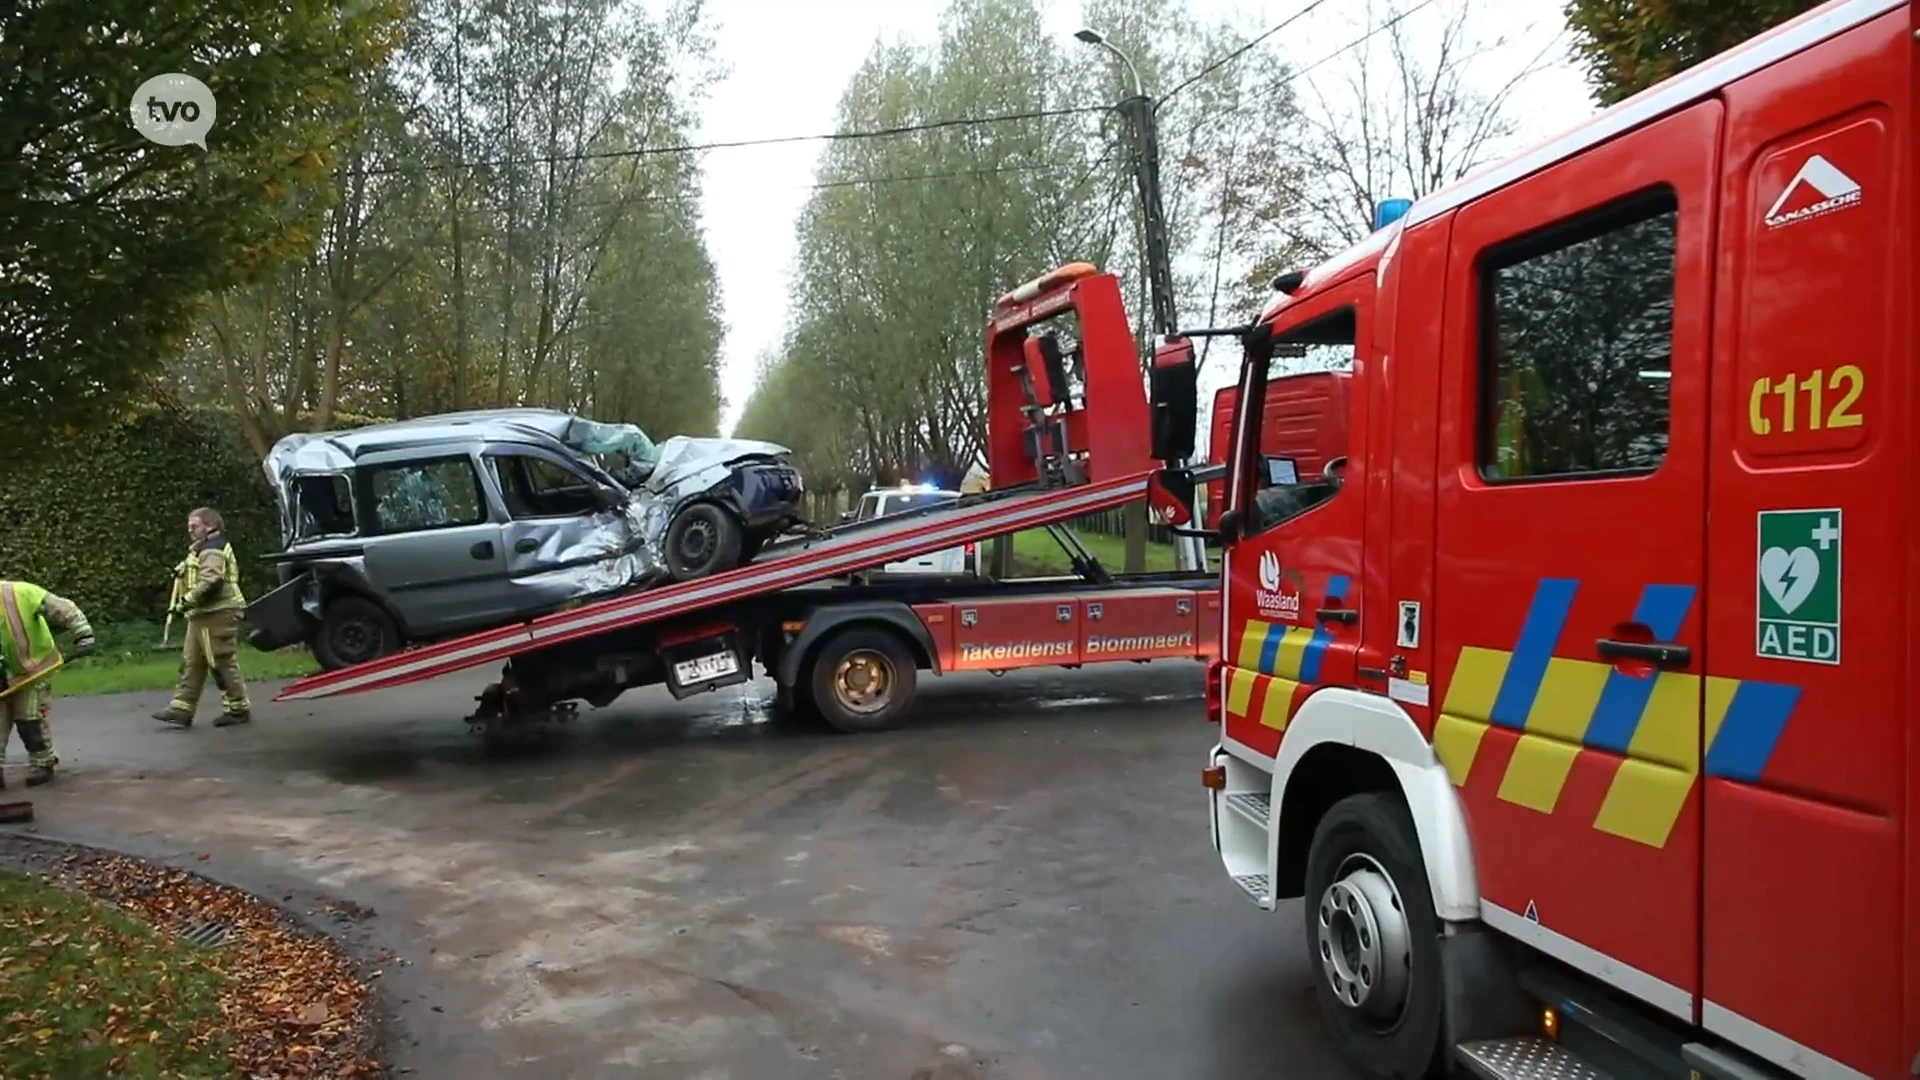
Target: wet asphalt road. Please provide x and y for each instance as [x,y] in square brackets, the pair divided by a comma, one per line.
[1018,884]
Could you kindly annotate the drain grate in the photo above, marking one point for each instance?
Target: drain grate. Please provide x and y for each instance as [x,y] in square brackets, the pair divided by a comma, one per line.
[207,933]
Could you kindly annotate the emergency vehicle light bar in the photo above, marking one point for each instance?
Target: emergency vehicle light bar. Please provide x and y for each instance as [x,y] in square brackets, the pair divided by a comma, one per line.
[1047,282]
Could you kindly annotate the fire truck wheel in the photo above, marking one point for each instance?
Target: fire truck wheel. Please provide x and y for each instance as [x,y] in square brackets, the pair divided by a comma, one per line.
[864,679]
[1374,937]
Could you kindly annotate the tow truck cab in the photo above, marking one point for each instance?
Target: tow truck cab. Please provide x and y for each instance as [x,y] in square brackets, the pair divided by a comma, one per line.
[1577,706]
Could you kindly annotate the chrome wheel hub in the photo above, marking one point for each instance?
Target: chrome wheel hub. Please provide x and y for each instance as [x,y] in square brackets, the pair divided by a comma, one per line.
[1363,941]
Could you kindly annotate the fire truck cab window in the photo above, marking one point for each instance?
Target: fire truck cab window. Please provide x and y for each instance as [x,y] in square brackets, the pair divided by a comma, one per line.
[1324,344]
[1577,346]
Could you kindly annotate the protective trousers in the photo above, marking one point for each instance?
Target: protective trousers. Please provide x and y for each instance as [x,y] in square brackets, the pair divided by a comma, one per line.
[26,713]
[212,645]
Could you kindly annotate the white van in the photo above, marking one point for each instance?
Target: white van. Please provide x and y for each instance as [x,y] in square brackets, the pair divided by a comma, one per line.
[885,502]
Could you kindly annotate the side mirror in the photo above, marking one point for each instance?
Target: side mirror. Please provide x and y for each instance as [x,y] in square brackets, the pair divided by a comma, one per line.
[609,499]
[1175,385]
[846,516]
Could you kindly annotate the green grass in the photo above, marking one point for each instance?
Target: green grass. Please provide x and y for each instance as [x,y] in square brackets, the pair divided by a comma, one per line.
[1036,553]
[86,991]
[127,658]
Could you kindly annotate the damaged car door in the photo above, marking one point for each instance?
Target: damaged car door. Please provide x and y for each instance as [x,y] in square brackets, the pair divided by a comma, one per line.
[569,534]
[434,545]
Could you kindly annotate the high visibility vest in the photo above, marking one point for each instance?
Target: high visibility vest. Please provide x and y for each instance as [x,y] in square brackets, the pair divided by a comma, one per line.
[27,650]
[230,594]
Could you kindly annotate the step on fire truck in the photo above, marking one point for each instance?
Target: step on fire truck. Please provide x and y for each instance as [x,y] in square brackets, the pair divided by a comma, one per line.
[1577,705]
[1068,436]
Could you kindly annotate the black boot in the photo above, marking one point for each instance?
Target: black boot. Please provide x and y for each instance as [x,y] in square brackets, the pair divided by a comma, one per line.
[179,720]
[39,774]
[232,717]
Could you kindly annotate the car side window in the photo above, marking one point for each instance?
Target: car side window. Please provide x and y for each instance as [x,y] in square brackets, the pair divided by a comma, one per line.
[433,494]
[1577,346]
[535,487]
[324,506]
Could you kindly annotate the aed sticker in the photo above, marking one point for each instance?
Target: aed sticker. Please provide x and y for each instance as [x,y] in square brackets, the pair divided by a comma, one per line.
[1798,592]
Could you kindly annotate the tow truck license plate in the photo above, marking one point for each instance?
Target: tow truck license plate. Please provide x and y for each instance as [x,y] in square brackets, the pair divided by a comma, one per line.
[702,668]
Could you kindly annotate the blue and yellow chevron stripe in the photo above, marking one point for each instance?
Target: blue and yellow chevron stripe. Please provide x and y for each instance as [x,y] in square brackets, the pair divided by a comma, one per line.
[1294,653]
[1562,706]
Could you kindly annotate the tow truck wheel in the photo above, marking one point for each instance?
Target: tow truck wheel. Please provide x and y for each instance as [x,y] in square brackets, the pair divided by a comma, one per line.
[704,539]
[1374,938]
[864,679]
[353,630]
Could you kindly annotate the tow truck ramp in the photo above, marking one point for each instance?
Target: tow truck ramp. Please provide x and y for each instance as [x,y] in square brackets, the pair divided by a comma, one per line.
[835,553]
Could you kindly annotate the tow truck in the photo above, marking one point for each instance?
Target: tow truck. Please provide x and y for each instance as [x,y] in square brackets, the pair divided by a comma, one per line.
[1068,435]
[1577,706]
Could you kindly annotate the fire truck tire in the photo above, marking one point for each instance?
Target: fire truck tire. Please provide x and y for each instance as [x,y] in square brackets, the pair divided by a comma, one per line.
[863,679]
[1374,939]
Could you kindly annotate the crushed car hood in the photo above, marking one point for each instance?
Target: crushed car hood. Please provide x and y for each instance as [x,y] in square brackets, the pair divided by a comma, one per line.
[685,456]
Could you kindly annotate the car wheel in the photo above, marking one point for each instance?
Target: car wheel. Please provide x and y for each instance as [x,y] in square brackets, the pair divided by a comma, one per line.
[863,679]
[703,539]
[1374,939]
[352,631]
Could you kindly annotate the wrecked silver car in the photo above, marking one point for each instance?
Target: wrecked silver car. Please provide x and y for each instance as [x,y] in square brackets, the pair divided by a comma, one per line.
[408,532]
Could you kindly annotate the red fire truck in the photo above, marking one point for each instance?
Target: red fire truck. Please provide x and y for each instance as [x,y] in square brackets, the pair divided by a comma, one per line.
[1068,436]
[1552,703]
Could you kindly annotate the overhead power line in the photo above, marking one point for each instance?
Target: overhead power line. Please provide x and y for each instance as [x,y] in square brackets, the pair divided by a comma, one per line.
[694,148]
[1244,48]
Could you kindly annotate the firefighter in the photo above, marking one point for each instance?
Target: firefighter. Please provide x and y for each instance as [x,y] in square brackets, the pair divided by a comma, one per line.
[29,615]
[207,593]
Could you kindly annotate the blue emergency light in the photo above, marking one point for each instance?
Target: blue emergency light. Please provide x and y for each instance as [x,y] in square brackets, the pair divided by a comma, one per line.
[1389,211]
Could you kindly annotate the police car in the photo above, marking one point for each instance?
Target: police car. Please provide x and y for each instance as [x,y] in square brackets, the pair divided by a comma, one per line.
[962,559]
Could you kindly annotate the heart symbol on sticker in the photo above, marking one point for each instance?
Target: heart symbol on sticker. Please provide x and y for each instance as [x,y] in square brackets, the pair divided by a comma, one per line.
[1789,576]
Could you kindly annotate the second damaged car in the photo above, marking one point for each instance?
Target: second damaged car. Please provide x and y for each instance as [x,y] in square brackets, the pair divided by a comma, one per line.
[407,532]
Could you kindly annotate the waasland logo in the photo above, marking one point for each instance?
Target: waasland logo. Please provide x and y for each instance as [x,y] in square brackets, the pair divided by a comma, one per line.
[1279,594]
[1818,189]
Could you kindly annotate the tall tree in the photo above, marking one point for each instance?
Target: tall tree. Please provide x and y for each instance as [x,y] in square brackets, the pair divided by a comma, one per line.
[504,232]
[1629,45]
[1402,113]
[109,243]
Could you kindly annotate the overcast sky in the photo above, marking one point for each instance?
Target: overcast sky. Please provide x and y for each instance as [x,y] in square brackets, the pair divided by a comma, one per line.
[789,60]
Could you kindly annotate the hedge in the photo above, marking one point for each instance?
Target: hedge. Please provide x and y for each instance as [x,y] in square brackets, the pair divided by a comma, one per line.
[101,518]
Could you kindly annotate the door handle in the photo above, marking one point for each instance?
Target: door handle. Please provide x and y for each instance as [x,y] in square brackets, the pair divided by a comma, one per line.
[526,545]
[482,550]
[1658,652]
[1338,614]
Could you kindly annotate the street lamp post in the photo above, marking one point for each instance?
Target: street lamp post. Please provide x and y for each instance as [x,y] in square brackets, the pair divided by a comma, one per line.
[1190,552]
[1140,110]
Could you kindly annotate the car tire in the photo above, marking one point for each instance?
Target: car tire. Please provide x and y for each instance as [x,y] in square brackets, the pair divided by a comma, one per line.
[863,679]
[1374,939]
[704,539]
[353,630]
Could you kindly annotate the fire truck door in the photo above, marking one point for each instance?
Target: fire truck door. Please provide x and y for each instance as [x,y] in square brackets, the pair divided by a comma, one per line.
[1570,545]
[1809,712]
[1293,577]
